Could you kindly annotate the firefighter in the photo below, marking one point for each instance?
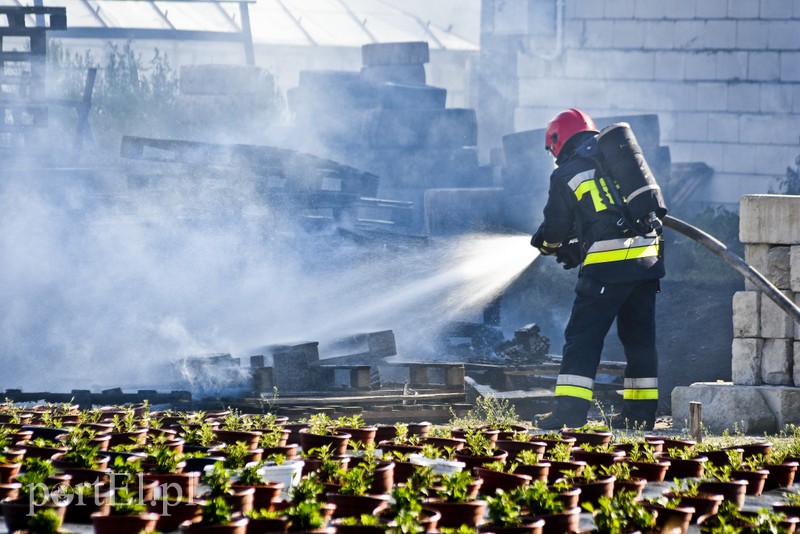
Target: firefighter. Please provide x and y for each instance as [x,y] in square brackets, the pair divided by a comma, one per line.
[620,269]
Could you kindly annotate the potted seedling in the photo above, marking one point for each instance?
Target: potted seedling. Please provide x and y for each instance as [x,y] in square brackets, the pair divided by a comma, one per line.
[44,522]
[687,493]
[500,476]
[540,501]
[455,499]
[218,480]
[479,450]
[216,518]
[352,497]
[528,462]
[505,516]
[560,458]
[127,515]
[620,514]
[321,432]
[33,494]
[719,480]
[265,493]
[645,464]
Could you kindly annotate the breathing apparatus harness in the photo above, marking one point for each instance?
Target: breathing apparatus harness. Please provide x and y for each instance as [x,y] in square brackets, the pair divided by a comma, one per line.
[630,191]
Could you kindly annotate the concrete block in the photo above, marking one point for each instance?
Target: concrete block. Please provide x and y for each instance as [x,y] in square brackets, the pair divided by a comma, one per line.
[450,211]
[794,268]
[784,402]
[763,66]
[778,267]
[620,9]
[790,67]
[776,9]
[731,66]
[659,34]
[722,127]
[746,355]
[713,96]
[725,406]
[773,219]
[746,313]
[408,74]
[776,362]
[395,53]
[679,9]
[628,34]
[648,9]
[689,34]
[783,35]
[752,34]
[775,323]
[775,98]
[796,365]
[743,9]
[225,80]
[712,9]
[700,66]
[737,158]
[720,33]
[743,97]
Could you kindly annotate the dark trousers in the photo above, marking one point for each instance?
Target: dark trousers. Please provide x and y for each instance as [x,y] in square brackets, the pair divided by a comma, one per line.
[596,306]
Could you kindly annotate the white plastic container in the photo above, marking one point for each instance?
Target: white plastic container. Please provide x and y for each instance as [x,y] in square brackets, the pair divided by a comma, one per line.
[289,472]
[439,465]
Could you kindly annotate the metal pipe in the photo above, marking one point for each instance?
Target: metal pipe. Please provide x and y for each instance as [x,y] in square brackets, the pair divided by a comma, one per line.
[719,248]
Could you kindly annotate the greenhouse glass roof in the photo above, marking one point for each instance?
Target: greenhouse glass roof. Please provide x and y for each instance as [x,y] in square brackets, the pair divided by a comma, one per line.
[444,24]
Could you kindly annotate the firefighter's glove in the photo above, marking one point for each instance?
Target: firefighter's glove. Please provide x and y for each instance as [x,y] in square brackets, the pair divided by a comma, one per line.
[570,254]
[547,249]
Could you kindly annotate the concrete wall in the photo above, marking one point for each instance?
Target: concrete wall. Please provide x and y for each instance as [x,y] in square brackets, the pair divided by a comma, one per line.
[723,76]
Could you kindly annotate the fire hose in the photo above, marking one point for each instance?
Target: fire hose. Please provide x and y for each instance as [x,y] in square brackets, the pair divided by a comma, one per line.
[746,270]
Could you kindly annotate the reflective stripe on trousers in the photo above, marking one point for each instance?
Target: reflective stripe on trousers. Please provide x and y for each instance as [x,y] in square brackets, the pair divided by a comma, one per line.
[577,386]
[640,389]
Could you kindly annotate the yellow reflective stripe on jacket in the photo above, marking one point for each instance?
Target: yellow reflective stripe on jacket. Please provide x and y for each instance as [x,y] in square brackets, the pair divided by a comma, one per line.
[590,186]
[640,394]
[622,249]
[574,391]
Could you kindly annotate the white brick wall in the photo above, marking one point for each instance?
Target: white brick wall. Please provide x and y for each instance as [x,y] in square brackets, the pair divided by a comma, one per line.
[723,75]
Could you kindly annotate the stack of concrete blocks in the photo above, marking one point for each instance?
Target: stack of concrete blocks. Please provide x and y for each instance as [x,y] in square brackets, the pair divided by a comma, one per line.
[225,103]
[386,120]
[527,167]
[765,366]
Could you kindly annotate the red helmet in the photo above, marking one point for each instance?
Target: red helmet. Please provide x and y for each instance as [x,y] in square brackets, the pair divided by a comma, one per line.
[565,125]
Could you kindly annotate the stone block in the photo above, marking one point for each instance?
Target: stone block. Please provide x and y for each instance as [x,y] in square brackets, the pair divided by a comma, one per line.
[790,67]
[225,80]
[776,362]
[794,268]
[746,361]
[775,323]
[782,35]
[752,34]
[408,74]
[778,267]
[395,53]
[725,407]
[772,219]
[756,255]
[784,402]
[796,364]
[746,314]
[797,324]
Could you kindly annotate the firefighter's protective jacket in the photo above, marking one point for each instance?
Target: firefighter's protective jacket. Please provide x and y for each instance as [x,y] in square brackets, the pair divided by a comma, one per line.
[579,205]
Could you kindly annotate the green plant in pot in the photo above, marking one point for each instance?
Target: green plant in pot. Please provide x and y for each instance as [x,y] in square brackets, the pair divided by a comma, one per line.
[217,514]
[126,515]
[538,499]
[503,510]
[620,514]
[45,522]
[306,515]
[308,489]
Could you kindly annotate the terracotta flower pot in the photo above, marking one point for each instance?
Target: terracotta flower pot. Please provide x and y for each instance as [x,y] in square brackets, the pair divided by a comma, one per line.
[289,451]
[755,480]
[569,498]
[734,490]
[536,472]
[672,443]
[177,484]
[355,505]
[249,437]
[551,440]
[752,449]
[703,504]
[567,521]
[264,494]
[495,480]
[294,436]
[268,525]
[137,437]
[515,447]
[403,471]
[592,491]
[590,438]
[528,526]
[9,471]
[454,514]
[780,475]
[382,478]
[172,514]
[237,526]
[672,519]
[719,457]
[597,458]
[365,435]
[686,468]
[337,442]
[124,524]
[16,512]
[635,485]
[557,469]
[442,443]
[80,510]
[652,472]
[420,429]
[488,433]
[387,446]
[385,433]
[471,461]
